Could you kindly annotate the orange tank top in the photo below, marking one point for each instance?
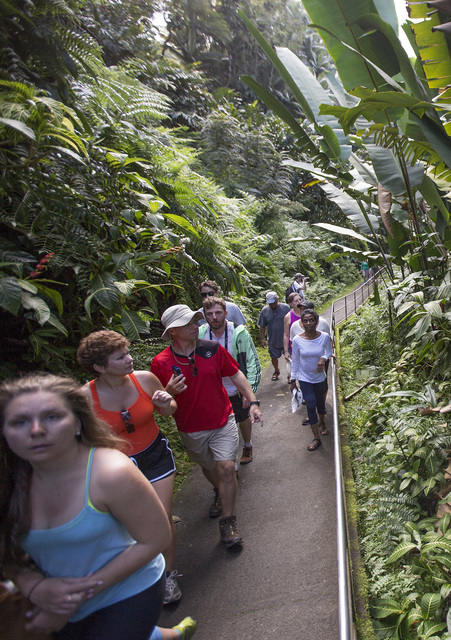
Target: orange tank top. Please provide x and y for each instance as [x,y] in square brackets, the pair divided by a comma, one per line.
[141,415]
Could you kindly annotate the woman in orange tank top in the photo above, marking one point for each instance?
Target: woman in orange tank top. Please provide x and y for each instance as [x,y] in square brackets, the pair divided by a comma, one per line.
[126,401]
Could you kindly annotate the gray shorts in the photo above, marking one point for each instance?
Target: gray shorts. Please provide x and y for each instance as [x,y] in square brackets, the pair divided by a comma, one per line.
[206,447]
[275,352]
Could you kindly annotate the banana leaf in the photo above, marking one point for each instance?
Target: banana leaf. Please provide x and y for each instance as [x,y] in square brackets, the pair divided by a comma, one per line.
[340,20]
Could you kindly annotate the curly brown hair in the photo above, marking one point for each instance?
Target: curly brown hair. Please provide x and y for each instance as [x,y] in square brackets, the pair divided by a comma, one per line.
[15,472]
[97,348]
[210,302]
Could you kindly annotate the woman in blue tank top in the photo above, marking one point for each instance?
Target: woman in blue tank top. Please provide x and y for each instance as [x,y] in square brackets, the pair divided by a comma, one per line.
[81,529]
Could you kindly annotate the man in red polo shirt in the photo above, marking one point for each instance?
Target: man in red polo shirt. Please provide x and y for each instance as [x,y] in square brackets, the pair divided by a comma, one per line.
[204,415]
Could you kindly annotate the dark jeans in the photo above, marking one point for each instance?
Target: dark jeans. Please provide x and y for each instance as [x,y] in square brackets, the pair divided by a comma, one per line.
[314,398]
[132,618]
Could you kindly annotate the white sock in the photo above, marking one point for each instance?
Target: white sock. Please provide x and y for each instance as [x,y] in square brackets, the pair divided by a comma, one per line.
[248,444]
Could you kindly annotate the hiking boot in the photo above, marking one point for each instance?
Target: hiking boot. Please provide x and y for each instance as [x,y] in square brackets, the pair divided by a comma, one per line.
[186,628]
[215,510]
[172,591]
[229,532]
[247,455]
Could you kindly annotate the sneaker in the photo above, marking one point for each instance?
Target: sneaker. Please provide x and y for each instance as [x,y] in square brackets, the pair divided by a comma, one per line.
[186,628]
[247,455]
[229,532]
[215,510]
[172,591]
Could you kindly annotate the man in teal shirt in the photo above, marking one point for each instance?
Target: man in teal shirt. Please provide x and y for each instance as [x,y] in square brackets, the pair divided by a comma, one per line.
[237,341]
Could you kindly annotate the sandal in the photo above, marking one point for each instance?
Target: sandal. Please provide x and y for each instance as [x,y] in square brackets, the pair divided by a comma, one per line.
[324,430]
[314,445]
[305,422]
[275,375]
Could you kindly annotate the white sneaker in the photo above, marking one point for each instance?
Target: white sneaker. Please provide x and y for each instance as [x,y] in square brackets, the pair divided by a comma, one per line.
[172,591]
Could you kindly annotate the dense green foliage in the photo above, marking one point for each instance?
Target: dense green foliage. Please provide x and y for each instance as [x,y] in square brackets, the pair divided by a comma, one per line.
[109,211]
[399,453]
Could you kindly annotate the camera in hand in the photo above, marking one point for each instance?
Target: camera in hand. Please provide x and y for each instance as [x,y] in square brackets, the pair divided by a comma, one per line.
[177,371]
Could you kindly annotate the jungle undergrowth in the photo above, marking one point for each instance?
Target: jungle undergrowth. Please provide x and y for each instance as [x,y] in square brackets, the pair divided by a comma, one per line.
[399,457]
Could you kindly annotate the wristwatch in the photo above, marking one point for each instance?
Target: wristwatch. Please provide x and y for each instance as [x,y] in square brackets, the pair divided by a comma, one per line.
[257,402]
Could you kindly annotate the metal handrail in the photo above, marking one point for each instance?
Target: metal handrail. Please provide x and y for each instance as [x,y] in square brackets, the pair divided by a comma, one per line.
[345,619]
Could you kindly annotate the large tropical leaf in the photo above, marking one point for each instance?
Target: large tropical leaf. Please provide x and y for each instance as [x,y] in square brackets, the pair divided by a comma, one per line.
[341,20]
[304,141]
[342,231]
[350,207]
[133,324]
[372,21]
[389,173]
[314,94]
[10,295]
[38,305]
[432,45]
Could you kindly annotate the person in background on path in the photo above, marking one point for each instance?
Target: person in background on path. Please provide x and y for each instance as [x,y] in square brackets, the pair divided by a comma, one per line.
[237,341]
[126,400]
[297,328]
[82,530]
[299,286]
[208,289]
[365,269]
[311,350]
[193,370]
[271,320]
[295,302]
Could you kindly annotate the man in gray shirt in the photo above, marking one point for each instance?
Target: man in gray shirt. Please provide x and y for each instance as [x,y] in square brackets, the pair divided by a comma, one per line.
[209,288]
[271,321]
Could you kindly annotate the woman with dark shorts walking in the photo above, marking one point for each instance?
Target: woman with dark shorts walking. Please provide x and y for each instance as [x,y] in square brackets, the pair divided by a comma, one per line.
[126,400]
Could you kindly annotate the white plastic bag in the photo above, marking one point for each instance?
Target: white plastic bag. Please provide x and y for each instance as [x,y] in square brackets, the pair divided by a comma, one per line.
[288,366]
[296,399]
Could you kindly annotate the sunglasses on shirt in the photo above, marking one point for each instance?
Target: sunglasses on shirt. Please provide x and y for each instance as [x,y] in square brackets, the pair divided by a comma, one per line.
[192,366]
[126,417]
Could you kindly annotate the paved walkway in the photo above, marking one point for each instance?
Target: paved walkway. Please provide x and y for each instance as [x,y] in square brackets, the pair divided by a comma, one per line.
[282,583]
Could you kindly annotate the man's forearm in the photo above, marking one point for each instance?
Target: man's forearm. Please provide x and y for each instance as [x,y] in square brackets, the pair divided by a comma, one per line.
[242,384]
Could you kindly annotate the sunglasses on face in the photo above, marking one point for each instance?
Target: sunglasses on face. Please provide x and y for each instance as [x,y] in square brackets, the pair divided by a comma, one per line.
[192,365]
[207,294]
[129,426]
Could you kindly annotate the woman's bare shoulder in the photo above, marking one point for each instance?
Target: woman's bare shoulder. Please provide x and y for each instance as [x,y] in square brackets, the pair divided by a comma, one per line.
[112,471]
[148,381]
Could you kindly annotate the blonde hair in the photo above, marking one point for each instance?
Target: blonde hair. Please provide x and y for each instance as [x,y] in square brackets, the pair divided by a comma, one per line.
[15,472]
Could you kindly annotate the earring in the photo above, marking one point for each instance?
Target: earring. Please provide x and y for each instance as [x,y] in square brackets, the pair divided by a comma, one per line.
[78,433]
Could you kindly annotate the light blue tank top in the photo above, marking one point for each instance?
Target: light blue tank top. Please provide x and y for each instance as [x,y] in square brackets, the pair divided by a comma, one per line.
[84,545]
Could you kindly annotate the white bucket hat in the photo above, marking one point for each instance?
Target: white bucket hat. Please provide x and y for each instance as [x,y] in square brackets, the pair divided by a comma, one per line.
[178,316]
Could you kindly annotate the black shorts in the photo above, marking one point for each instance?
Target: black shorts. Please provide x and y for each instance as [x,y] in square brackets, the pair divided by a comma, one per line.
[134,617]
[156,462]
[237,405]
